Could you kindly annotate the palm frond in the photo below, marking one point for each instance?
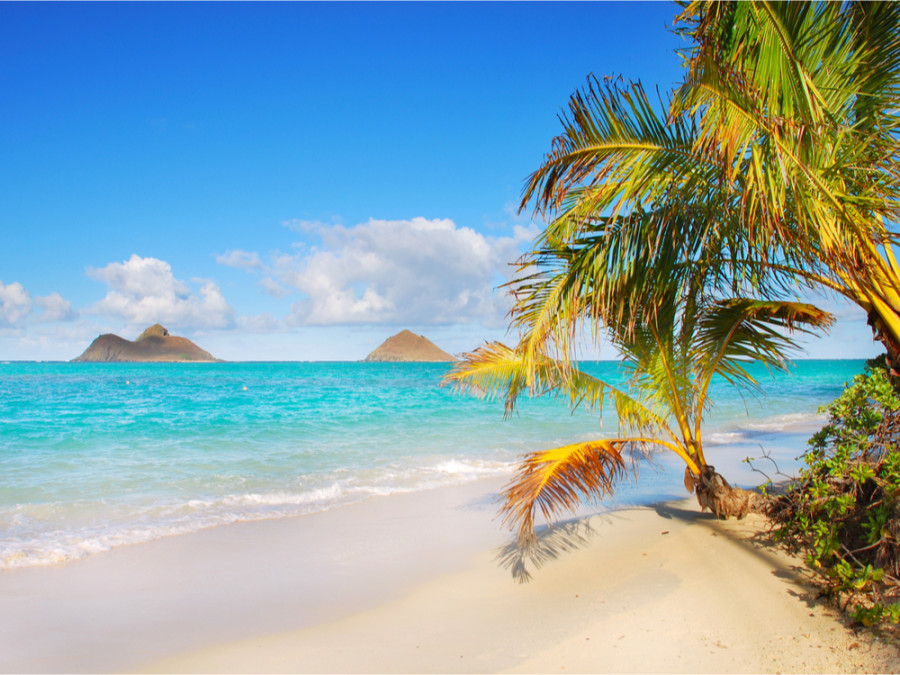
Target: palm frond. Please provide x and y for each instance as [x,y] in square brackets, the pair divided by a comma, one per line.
[556,480]
[619,145]
[736,331]
[497,371]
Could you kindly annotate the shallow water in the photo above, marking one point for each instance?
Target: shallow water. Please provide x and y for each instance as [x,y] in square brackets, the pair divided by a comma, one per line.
[94,456]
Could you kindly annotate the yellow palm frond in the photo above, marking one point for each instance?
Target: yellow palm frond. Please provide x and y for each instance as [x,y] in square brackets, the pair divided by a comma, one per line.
[495,371]
[556,480]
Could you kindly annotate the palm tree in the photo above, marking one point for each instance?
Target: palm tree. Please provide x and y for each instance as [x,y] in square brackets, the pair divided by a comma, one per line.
[671,355]
[773,168]
[802,100]
[780,152]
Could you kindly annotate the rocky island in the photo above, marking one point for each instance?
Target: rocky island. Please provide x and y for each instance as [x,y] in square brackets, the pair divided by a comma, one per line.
[407,346]
[154,344]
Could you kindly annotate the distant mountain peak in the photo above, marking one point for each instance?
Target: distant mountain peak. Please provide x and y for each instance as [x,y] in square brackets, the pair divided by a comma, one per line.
[156,330]
[407,346]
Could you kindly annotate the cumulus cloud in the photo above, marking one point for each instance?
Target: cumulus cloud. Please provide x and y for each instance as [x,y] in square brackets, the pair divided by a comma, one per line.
[55,308]
[144,290]
[401,271]
[15,304]
[17,307]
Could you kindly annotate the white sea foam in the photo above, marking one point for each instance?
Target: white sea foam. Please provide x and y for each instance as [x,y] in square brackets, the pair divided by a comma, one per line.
[472,468]
[283,498]
[123,526]
[788,422]
[752,430]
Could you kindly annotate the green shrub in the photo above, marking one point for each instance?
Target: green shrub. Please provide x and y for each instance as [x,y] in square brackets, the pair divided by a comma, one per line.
[843,512]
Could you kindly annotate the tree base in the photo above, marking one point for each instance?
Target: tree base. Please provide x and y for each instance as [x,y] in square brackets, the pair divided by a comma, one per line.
[717,495]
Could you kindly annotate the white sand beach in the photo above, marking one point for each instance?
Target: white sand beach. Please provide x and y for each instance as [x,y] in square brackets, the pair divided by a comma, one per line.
[413,583]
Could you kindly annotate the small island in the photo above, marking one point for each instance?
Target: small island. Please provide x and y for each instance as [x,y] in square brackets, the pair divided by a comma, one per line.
[153,345]
[406,346]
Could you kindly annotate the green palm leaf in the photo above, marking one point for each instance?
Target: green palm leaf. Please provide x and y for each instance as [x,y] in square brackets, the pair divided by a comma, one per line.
[496,371]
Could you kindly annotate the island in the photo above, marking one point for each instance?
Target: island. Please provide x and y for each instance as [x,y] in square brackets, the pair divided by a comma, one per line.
[406,346]
[153,345]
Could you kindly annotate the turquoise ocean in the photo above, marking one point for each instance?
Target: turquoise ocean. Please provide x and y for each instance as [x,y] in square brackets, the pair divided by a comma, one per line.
[94,456]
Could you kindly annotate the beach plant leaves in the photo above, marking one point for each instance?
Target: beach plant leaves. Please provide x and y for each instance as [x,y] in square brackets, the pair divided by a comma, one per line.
[843,512]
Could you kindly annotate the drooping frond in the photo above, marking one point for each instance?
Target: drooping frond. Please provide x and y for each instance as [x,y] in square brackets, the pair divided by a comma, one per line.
[744,329]
[497,371]
[488,372]
[556,480]
[736,331]
[550,303]
[617,273]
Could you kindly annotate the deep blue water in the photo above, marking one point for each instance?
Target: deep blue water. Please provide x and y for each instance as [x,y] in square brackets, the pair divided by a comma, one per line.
[98,455]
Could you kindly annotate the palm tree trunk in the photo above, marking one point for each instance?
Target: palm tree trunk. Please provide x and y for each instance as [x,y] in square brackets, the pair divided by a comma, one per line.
[716,494]
[882,333]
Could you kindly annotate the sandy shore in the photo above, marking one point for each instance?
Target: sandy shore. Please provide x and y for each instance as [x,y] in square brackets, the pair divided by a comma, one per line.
[414,583]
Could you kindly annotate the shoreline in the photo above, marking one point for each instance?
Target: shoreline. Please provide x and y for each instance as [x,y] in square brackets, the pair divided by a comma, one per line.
[660,480]
[105,459]
[131,605]
[412,583]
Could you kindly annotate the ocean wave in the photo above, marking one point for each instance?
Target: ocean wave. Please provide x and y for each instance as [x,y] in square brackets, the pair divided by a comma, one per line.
[724,437]
[788,422]
[792,423]
[38,542]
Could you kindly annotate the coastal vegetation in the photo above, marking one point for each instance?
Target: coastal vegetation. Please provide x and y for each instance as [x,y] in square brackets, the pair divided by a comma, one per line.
[678,230]
[843,512]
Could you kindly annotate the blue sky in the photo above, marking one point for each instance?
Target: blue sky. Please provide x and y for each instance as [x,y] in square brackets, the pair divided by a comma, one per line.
[291,181]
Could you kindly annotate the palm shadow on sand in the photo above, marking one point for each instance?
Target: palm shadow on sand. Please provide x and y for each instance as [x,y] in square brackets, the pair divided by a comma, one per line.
[761,544]
[549,543]
[552,541]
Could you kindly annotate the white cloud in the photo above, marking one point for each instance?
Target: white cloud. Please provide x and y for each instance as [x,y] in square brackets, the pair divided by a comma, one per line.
[303,226]
[144,291]
[415,271]
[240,259]
[15,304]
[271,287]
[17,307]
[55,308]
